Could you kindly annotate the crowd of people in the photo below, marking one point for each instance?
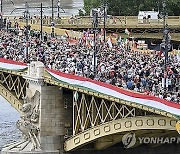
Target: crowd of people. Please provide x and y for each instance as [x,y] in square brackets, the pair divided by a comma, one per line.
[117,64]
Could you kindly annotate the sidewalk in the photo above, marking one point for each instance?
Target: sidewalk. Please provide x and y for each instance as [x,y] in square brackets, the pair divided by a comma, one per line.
[57,31]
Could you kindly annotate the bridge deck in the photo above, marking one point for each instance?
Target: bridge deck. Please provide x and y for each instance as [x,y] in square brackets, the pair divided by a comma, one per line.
[120,22]
[138,28]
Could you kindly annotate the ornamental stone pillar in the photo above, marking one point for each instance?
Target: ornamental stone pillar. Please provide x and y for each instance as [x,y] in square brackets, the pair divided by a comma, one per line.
[42,117]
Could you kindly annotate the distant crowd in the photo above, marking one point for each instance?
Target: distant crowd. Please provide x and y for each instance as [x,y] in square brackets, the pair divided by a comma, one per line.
[118,64]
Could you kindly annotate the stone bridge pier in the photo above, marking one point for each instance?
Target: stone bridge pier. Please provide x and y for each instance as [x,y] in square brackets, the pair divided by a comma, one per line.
[42,117]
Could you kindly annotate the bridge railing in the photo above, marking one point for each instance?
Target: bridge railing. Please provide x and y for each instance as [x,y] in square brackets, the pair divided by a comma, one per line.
[112,22]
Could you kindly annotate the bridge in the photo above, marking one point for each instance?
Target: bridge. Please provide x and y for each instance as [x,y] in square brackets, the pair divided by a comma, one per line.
[63,113]
[151,28]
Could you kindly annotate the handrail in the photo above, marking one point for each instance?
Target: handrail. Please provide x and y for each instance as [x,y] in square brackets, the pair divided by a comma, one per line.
[115,22]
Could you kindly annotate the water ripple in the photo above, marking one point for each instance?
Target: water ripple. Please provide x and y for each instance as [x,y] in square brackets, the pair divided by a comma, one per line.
[8,118]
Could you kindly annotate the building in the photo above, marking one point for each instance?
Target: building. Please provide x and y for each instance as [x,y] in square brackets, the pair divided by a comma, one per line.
[147,16]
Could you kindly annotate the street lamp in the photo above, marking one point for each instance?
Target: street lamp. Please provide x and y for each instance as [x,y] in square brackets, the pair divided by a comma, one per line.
[52,21]
[165,48]
[165,45]
[1,16]
[95,25]
[26,15]
[41,22]
[104,22]
[164,13]
[58,4]
[1,7]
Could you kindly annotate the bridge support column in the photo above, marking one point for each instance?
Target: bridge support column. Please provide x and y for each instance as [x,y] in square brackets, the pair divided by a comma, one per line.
[52,119]
[42,120]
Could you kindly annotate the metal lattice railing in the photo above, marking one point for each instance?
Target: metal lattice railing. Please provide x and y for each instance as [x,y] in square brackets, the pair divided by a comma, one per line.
[90,111]
[14,83]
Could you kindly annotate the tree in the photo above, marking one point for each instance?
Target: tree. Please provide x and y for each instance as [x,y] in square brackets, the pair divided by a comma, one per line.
[132,7]
[89,4]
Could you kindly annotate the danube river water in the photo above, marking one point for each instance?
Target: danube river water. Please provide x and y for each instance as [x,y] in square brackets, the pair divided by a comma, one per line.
[8,115]
[8,119]
[69,6]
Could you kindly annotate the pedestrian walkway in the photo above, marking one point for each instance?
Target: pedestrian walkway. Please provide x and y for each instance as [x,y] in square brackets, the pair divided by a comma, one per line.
[57,31]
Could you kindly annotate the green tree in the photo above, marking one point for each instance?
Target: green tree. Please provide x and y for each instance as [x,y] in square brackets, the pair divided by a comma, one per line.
[89,4]
[132,7]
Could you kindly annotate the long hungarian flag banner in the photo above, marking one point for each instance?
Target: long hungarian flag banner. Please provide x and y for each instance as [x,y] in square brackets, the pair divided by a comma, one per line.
[151,102]
[116,92]
[7,64]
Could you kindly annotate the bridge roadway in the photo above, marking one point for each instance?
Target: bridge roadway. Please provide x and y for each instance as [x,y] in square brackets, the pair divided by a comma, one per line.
[138,28]
[63,113]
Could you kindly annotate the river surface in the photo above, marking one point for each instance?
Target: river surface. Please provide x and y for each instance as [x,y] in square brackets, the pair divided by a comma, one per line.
[69,6]
[8,119]
[8,115]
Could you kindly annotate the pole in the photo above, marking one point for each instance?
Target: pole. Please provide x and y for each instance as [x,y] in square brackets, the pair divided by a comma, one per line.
[104,21]
[94,52]
[26,16]
[52,22]
[1,7]
[95,24]
[1,15]
[164,14]
[58,12]
[58,8]
[166,42]
[165,62]
[41,23]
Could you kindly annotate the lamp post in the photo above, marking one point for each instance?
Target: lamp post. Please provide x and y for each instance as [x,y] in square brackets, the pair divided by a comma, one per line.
[41,22]
[52,21]
[104,8]
[58,4]
[165,41]
[165,45]
[1,6]
[1,16]
[27,27]
[95,25]
[164,13]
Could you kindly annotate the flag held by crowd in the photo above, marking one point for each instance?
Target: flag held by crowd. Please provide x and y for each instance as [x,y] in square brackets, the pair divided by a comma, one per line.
[109,42]
[73,41]
[127,31]
[66,33]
